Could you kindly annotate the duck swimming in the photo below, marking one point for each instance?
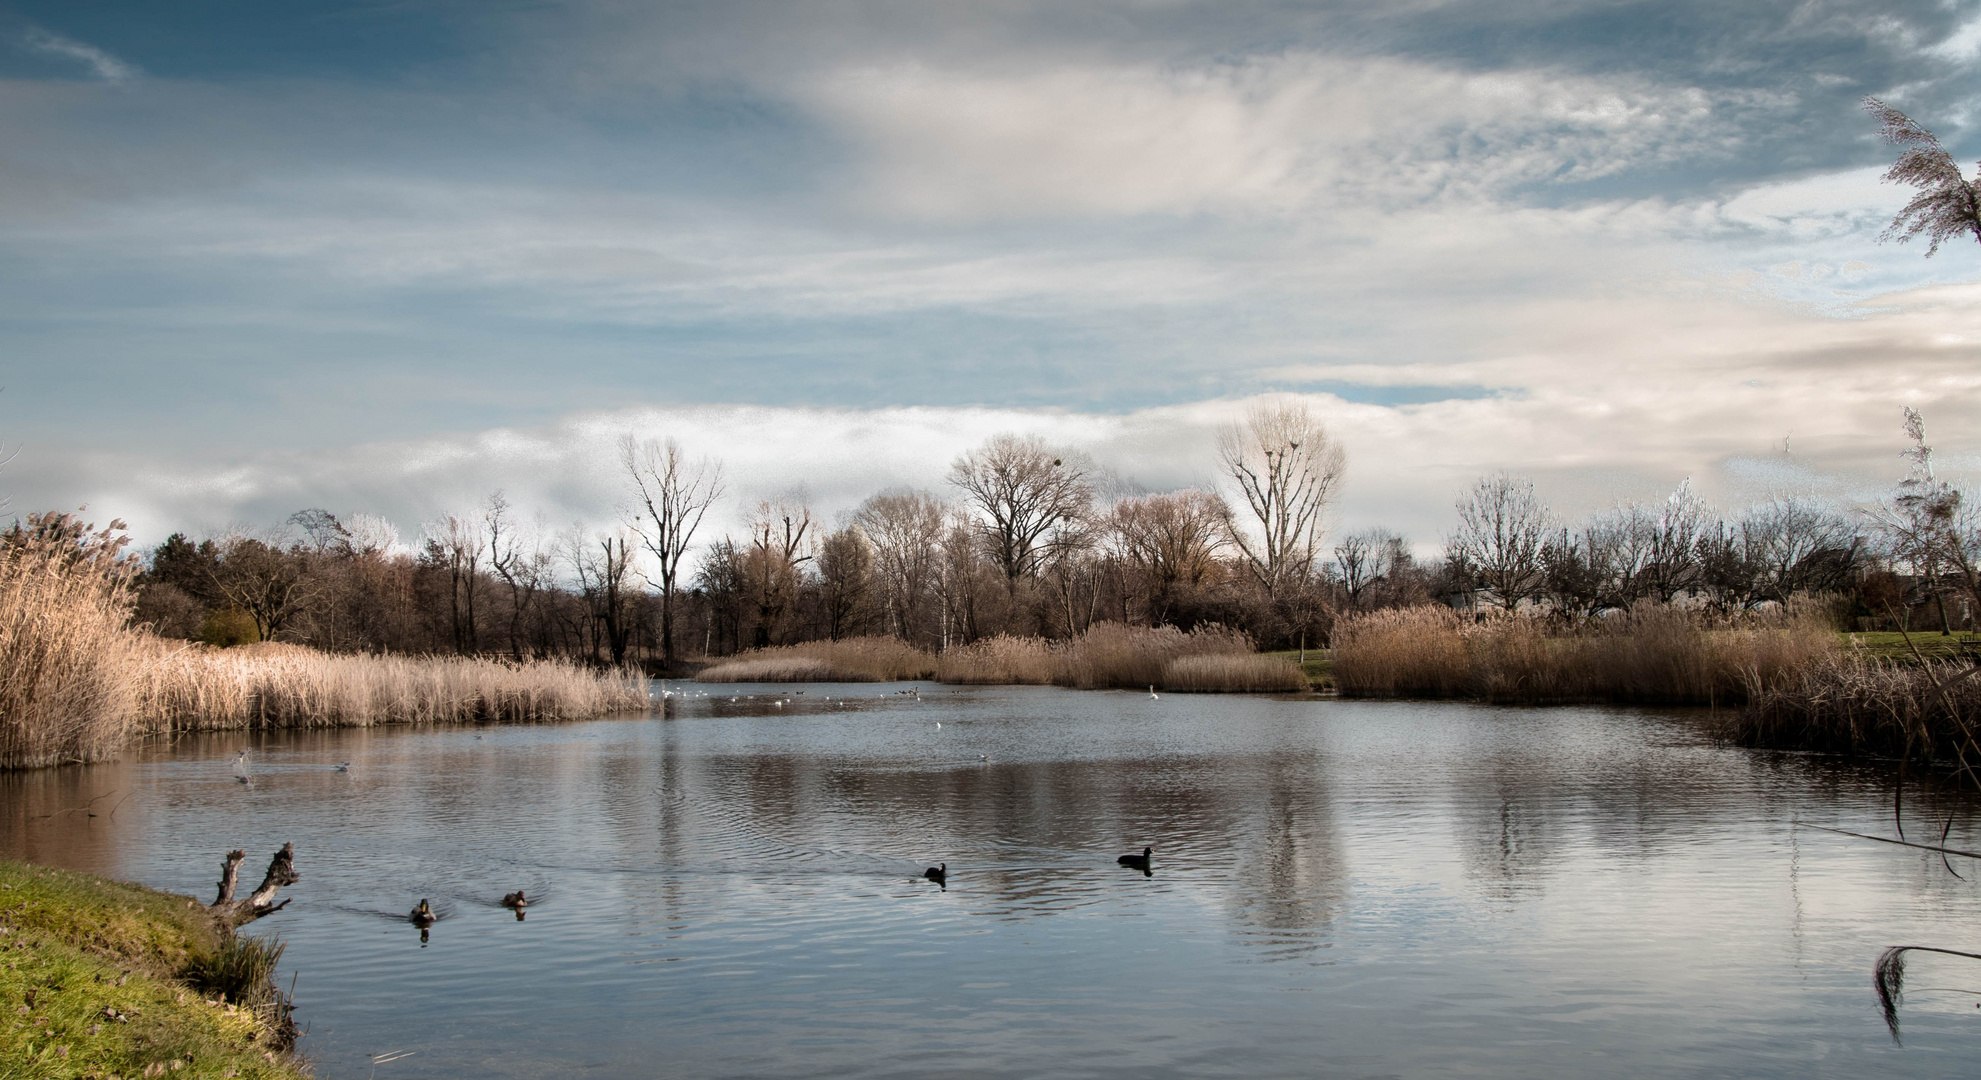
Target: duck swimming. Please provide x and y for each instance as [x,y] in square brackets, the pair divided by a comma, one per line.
[515,900]
[938,874]
[422,916]
[1139,862]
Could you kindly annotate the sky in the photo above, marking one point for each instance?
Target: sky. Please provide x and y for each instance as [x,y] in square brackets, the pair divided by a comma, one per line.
[387,257]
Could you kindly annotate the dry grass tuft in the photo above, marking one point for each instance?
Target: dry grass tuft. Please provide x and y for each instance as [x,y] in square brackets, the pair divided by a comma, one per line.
[1654,654]
[1107,655]
[860,659]
[1000,660]
[1251,673]
[1858,704]
[198,688]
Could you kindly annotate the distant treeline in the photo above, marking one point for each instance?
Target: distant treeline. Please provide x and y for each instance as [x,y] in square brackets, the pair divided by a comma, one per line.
[1031,541]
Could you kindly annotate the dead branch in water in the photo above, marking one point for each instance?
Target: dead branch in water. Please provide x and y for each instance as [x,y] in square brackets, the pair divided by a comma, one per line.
[1900,843]
[281,871]
[1888,975]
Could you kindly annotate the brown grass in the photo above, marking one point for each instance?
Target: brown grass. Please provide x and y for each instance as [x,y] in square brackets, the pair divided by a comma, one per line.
[1107,655]
[1854,703]
[1233,674]
[197,688]
[66,651]
[77,681]
[1000,660]
[1655,654]
[860,659]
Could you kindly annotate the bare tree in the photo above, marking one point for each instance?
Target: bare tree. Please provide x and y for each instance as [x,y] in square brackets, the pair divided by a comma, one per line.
[1798,547]
[1024,493]
[780,541]
[1501,528]
[1288,469]
[519,559]
[603,566]
[1930,527]
[906,530]
[272,585]
[457,544]
[1169,543]
[1677,526]
[1369,565]
[846,565]
[674,494]
[1947,204]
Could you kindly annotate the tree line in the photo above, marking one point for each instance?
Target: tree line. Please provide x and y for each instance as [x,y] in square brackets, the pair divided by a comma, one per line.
[1026,539]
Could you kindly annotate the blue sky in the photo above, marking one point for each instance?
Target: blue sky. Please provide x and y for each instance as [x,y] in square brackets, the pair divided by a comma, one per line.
[389,256]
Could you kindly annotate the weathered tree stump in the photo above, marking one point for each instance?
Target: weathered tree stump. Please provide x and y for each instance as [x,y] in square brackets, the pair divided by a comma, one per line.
[281,871]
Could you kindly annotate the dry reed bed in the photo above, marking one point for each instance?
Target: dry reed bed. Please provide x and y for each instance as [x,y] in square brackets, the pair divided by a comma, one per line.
[1655,654]
[285,686]
[859,659]
[1856,704]
[1107,655]
[65,647]
[1252,674]
[1113,655]
[77,681]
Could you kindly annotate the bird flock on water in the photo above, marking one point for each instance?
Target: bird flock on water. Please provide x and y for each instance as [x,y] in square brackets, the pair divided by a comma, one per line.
[423,915]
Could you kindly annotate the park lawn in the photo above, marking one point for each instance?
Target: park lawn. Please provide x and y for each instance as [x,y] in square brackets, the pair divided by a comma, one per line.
[1931,644]
[90,986]
[1319,666]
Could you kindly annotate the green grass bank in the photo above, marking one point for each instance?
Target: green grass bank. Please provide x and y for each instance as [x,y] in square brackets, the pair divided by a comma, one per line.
[100,980]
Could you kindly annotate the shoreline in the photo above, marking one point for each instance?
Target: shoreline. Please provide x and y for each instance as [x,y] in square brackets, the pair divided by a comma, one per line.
[105,979]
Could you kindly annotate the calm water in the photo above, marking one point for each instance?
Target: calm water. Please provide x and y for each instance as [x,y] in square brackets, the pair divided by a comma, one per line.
[1339,889]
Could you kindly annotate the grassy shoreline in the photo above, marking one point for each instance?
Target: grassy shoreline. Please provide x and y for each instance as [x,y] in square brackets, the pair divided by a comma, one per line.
[102,979]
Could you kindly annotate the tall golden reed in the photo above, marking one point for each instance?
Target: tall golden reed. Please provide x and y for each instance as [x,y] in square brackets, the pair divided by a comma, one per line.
[196,688]
[1852,703]
[66,648]
[1656,653]
[857,659]
[77,681]
[1116,655]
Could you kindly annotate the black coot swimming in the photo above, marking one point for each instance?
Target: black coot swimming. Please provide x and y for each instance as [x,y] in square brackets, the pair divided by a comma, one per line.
[1139,862]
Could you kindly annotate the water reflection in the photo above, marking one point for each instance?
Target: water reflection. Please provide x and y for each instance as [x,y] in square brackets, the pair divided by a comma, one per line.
[838,884]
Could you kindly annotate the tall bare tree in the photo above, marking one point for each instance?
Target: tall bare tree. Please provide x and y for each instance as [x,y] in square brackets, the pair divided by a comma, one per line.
[518,558]
[1502,526]
[781,536]
[846,572]
[674,494]
[1287,469]
[1947,204]
[906,530]
[1169,543]
[1023,493]
[457,544]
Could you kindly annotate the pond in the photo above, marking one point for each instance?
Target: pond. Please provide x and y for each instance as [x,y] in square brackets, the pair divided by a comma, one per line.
[1338,889]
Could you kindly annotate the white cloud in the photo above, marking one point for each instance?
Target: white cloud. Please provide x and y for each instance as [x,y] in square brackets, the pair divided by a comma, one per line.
[1699,387]
[1274,134]
[103,65]
[1963,44]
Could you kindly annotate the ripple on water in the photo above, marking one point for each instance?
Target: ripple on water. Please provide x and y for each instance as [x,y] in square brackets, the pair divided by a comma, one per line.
[1338,888]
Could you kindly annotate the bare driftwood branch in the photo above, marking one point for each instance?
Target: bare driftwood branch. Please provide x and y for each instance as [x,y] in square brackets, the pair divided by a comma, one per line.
[281,871]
